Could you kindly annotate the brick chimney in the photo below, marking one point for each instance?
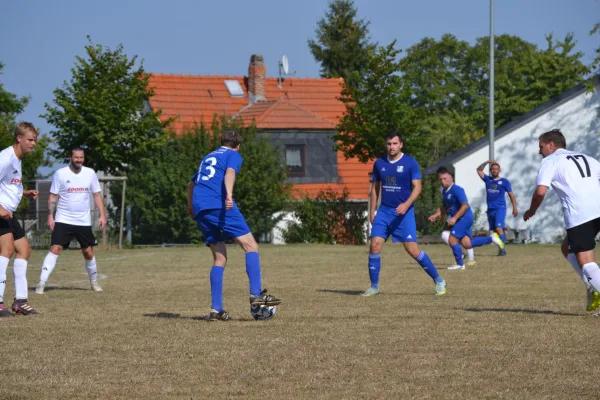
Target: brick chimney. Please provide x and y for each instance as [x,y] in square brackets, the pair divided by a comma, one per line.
[256,78]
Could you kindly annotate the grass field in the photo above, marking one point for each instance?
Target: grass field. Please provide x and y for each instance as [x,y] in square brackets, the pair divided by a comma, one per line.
[510,328]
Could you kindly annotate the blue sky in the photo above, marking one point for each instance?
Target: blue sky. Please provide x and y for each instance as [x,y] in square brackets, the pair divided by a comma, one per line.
[40,38]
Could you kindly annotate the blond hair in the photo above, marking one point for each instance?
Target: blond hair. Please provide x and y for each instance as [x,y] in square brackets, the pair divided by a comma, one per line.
[24,127]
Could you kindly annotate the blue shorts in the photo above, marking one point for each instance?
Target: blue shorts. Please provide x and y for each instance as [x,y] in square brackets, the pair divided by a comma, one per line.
[496,218]
[218,225]
[463,227]
[403,228]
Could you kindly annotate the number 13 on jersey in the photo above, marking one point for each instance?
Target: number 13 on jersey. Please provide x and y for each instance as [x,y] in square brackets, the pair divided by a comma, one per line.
[209,166]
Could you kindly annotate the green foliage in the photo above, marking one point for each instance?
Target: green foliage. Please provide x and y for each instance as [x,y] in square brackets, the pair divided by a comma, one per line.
[104,108]
[10,106]
[157,185]
[342,41]
[328,218]
[596,63]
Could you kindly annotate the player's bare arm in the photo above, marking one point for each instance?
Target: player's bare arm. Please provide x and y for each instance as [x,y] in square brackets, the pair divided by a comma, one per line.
[52,200]
[461,211]
[513,200]
[229,183]
[374,197]
[190,195]
[482,166]
[100,206]
[417,188]
[32,194]
[435,215]
[536,201]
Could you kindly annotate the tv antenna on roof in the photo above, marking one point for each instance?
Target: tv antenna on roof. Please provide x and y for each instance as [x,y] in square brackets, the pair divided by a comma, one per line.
[284,69]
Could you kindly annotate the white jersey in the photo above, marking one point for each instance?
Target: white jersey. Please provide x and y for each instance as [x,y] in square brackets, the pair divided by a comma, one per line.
[575,177]
[11,180]
[74,195]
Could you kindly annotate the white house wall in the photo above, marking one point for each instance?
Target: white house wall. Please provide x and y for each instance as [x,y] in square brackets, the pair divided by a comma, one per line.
[517,153]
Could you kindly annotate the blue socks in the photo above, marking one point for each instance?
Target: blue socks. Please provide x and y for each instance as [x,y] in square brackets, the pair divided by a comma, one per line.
[374,268]
[503,237]
[457,251]
[216,287]
[480,241]
[427,265]
[253,271]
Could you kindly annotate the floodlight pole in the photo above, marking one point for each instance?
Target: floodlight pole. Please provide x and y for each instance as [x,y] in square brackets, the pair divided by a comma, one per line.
[492,79]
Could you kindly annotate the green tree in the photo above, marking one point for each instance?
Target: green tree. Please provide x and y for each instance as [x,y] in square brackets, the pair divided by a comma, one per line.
[104,108]
[10,106]
[378,103]
[342,42]
[596,63]
[157,188]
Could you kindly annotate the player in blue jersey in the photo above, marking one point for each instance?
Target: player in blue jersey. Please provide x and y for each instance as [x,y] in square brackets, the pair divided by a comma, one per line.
[399,178]
[496,188]
[455,206]
[211,204]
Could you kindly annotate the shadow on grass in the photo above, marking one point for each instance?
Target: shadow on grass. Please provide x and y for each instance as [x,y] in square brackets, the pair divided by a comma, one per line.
[523,310]
[52,288]
[359,292]
[167,315]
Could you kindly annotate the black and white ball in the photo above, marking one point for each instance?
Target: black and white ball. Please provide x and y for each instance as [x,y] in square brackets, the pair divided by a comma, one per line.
[263,313]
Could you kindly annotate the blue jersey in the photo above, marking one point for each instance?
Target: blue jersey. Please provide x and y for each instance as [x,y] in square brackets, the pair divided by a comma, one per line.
[453,198]
[209,181]
[396,179]
[495,190]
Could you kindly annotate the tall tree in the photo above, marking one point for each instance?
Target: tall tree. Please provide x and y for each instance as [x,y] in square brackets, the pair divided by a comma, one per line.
[342,42]
[10,106]
[104,108]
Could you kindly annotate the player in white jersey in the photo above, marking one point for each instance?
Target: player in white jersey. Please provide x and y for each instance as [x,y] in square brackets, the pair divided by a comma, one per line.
[575,177]
[71,187]
[12,235]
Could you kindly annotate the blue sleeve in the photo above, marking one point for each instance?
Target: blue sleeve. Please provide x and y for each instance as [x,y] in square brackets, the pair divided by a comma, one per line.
[415,171]
[508,187]
[234,161]
[461,196]
[486,178]
[375,177]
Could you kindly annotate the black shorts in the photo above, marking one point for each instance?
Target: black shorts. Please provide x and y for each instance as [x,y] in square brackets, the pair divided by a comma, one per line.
[12,226]
[64,233]
[583,237]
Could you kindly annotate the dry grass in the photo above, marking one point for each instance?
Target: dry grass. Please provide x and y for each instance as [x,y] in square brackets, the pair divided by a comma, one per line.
[511,328]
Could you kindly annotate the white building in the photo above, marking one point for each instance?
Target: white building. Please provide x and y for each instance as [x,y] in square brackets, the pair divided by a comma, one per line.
[576,113]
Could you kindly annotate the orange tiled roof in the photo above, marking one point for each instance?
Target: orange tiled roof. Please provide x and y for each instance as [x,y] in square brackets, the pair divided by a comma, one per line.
[282,114]
[300,103]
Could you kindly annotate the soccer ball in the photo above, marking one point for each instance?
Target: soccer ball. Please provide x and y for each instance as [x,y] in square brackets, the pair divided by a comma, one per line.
[263,313]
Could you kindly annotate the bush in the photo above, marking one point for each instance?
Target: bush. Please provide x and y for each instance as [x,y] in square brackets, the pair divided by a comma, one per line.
[328,218]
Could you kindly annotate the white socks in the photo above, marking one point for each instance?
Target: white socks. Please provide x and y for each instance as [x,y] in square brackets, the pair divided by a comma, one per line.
[48,266]
[3,265]
[20,269]
[90,266]
[446,237]
[572,259]
[592,274]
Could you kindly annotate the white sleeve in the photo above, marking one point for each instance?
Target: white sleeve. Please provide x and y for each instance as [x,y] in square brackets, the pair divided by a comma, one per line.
[95,185]
[5,166]
[55,187]
[546,173]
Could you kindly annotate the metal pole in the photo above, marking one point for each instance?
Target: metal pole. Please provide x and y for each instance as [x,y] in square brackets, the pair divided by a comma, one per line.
[492,79]
[122,215]
[104,231]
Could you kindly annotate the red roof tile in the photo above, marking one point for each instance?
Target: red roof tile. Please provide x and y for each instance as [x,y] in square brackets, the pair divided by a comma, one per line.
[300,103]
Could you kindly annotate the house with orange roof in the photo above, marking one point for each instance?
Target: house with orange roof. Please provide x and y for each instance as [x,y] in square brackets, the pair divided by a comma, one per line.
[299,115]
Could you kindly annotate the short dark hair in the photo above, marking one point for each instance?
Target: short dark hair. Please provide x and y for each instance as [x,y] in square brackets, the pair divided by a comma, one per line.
[78,148]
[231,138]
[495,164]
[443,170]
[393,134]
[555,136]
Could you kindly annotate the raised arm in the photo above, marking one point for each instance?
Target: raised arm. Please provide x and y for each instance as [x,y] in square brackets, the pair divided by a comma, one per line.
[482,166]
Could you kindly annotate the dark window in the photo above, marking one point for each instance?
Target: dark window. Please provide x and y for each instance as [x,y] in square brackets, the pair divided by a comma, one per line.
[295,160]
